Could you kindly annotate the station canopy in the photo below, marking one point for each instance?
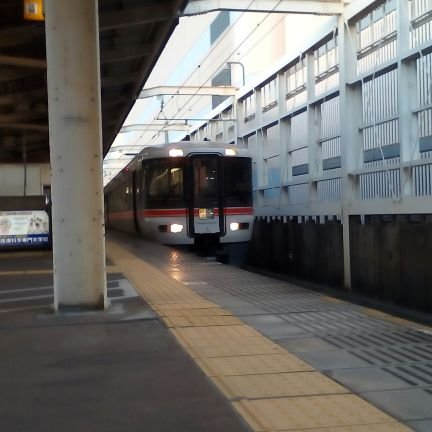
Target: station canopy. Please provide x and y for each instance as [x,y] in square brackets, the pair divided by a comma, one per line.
[132,34]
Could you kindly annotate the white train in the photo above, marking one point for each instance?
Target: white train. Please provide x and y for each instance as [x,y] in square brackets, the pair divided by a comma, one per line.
[184,193]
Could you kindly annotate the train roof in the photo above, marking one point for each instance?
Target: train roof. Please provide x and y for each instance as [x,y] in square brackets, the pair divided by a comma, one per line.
[187,147]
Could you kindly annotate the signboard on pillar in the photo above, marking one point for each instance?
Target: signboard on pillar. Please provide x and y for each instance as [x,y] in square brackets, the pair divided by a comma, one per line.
[33,10]
[27,228]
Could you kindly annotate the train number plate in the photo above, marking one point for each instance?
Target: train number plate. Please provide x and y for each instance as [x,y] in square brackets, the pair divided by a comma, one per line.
[206,213]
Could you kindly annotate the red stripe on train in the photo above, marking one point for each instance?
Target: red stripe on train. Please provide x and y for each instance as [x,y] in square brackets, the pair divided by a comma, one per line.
[229,211]
[239,211]
[162,213]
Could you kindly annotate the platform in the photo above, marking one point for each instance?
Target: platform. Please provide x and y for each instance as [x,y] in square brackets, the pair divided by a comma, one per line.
[190,344]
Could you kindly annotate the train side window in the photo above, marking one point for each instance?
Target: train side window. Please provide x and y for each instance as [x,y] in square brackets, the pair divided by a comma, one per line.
[164,182]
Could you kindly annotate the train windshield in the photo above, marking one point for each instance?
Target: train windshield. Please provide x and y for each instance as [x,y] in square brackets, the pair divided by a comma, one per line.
[205,181]
[165,183]
[238,182]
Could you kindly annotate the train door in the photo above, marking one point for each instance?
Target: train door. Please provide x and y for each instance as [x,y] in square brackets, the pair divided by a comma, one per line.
[206,206]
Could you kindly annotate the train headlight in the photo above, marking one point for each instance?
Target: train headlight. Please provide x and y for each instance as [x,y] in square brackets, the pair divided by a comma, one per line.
[234,226]
[175,152]
[176,228]
[230,152]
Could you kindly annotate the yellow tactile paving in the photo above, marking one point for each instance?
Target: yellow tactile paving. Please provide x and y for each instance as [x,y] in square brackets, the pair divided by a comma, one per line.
[179,307]
[272,389]
[259,347]
[146,277]
[218,342]
[380,427]
[164,292]
[277,385]
[201,321]
[189,312]
[244,331]
[199,337]
[252,365]
[308,412]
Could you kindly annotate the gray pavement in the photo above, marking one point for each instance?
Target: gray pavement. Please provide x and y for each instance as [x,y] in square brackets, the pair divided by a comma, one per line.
[119,370]
[383,361]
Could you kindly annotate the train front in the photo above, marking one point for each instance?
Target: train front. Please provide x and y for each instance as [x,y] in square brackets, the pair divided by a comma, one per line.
[199,195]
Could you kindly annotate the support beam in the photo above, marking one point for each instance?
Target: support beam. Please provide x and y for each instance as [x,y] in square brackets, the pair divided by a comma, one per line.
[76,153]
[407,102]
[14,140]
[126,52]
[112,100]
[350,106]
[23,62]
[197,7]
[23,116]
[261,137]
[194,119]
[187,90]
[137,16]
[14,36]
[149,127]
[9,74]
[25,126]
[118,80]
[12,98]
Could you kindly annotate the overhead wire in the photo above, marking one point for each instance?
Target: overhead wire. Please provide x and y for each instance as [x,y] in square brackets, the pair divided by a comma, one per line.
[173,97]
[227,57]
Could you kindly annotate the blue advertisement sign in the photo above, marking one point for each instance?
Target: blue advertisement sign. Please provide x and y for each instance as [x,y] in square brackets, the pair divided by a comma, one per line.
[24,228]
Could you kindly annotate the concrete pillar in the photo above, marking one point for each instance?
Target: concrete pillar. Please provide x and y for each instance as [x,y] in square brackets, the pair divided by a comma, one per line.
[76,153]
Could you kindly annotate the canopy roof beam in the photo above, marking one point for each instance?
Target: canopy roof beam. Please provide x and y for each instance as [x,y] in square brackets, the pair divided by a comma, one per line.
[23,62]
[155,127]
[313,7]
[188,90]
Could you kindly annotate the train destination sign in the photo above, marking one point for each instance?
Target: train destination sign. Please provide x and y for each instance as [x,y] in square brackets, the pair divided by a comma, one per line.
[24,228]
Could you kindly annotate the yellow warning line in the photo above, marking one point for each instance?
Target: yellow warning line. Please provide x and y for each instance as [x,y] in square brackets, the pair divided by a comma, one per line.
[394,320]
[382,315]
[272,389]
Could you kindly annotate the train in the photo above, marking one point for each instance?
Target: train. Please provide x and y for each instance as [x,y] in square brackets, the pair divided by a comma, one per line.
[185,193]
